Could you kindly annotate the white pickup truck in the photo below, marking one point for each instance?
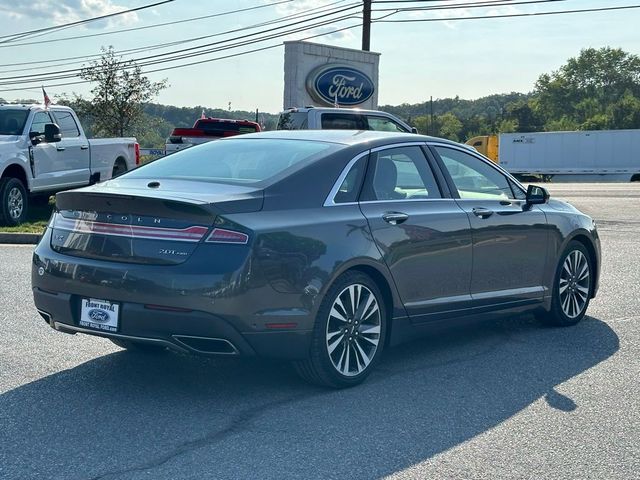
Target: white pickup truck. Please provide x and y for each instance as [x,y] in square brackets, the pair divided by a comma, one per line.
[45,150]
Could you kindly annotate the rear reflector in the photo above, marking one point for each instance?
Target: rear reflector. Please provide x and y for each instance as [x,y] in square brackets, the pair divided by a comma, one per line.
[281,326]
[164,308]
[220,235]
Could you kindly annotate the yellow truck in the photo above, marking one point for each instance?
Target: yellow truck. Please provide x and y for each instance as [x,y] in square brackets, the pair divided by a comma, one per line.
[486,145]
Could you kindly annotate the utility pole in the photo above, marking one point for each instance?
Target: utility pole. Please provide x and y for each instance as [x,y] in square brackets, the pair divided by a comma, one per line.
[366,25]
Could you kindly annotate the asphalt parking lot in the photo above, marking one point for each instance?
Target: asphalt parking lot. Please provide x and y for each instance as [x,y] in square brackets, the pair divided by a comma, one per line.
[500,400]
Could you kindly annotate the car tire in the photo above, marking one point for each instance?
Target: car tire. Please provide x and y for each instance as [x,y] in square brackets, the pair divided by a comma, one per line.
[348,335]
[572,287]
[139,347]
[14,202]
[119,167]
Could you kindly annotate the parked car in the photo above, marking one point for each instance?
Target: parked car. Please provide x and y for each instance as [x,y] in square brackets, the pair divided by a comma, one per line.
[206,130]
[322,247]
[324,118]
[45,150]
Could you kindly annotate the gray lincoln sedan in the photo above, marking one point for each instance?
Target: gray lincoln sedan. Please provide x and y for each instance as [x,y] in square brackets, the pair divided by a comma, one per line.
[322,247]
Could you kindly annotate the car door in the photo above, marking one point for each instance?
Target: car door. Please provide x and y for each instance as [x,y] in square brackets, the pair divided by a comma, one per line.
[76,148]
[45,157]
[509,237]
[423,236]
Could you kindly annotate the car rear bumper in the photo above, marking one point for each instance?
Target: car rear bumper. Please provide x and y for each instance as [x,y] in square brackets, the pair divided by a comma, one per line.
[193,332]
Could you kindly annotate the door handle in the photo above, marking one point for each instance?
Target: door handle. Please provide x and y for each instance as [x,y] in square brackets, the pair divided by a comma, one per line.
[395,218]
[84,147]
[60,149]
[482,212]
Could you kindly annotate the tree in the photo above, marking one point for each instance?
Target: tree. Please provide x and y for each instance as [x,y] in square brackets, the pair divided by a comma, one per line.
[121,89]
[584,89]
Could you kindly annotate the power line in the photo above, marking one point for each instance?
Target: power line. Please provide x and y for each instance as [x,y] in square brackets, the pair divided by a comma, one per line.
[188,52]
[156,25]
[279,45]
[327,9]
[510,15]
[15,36]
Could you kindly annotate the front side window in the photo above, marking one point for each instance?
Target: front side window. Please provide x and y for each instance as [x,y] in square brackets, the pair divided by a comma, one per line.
[398,174]
[40,119]
[383,124]
[67,124]
[473,178]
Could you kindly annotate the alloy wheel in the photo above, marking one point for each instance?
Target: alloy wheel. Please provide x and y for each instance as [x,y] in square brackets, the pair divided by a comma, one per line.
[15,203]
[353,330]
[574,283]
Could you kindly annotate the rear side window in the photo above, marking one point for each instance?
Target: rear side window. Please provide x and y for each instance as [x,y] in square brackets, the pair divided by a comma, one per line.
[343,121]
[67,124]
[236,160]
[350,186]
[400,174]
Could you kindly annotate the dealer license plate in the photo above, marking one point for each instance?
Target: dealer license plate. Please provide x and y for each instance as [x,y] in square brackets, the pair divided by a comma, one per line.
[99,314]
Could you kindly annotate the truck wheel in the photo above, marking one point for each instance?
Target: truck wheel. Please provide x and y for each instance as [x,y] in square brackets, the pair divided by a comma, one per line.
[119,168]
[13,202]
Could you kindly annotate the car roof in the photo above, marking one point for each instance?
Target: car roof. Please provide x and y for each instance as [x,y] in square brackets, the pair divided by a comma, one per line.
[344,137]
[31,106]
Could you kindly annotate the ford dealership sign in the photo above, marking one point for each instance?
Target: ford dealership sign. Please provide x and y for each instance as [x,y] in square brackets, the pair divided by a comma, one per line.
[339,85]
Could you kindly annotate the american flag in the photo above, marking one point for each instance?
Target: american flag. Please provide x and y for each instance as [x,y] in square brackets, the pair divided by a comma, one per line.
[47,100]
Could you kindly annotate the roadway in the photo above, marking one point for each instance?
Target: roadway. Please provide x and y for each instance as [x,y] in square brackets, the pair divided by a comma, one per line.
[501,400]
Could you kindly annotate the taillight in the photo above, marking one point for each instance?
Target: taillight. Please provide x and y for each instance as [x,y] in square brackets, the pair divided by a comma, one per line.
[137,152]
[221,235]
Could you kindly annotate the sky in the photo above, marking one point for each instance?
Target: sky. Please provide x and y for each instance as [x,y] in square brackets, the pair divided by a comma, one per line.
[442,57]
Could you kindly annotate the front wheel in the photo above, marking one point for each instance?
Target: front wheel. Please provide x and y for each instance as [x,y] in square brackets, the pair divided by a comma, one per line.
[572,287]
[13,202]
[348,335]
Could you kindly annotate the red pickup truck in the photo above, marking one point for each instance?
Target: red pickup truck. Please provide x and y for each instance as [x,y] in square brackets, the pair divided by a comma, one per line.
[205,130]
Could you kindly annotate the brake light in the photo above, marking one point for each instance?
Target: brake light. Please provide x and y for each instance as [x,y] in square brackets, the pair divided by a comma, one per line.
[221,235]
[137,152]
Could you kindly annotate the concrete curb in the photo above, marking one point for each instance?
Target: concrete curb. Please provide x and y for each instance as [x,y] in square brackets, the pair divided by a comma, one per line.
[19,238]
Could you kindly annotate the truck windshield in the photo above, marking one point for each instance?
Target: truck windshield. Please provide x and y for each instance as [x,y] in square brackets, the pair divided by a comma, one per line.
[12,121]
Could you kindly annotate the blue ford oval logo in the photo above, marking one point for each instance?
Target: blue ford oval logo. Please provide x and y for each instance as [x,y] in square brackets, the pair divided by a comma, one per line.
[99,316]
[339,85]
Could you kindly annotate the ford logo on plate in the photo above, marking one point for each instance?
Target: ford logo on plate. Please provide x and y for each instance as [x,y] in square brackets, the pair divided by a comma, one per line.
[341,85]
[99,316]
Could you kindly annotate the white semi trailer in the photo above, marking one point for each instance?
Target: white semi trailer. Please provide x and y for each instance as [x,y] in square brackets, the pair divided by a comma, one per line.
[598,155]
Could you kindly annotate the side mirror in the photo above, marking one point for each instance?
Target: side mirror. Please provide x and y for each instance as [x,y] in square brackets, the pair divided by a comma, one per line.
[414,130]
[52,133]
[537,195]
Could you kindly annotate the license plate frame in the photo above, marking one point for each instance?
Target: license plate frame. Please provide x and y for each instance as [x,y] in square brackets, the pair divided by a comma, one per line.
[100,315]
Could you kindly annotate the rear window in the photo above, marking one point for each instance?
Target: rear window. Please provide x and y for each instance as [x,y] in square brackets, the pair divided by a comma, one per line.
[218,128]
[237,160]
[12,121]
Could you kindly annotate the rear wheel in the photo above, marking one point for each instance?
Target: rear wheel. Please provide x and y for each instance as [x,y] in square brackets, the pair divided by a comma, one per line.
[572,287]
[13,198]
[140,347]
[119,168]
[348,335]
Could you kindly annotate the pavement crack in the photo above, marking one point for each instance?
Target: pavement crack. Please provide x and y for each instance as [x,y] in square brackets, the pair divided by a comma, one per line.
[239,424]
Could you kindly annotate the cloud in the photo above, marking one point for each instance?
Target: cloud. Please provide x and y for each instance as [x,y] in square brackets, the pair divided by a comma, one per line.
[66,11]
[462,12]
[315,8]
